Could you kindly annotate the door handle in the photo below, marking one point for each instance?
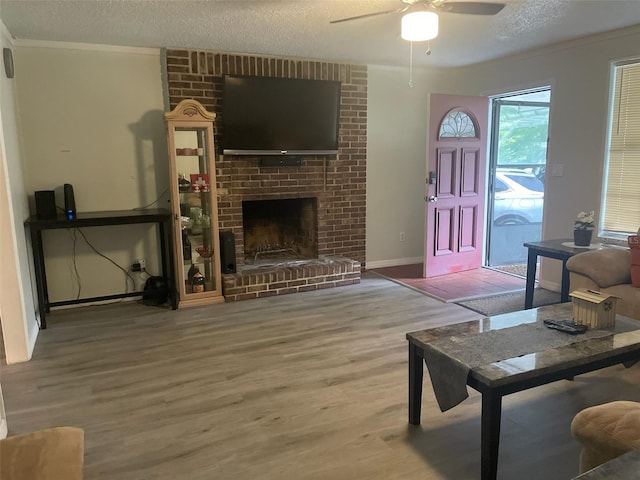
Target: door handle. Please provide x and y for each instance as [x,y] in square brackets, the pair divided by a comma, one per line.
[431,199]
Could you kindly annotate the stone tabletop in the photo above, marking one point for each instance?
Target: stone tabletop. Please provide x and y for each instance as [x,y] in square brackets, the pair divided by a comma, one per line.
[625,467]
[559,245]
[625,336]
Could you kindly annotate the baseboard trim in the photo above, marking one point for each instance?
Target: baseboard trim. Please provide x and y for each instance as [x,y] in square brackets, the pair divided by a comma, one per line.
[397,262]
[553,286]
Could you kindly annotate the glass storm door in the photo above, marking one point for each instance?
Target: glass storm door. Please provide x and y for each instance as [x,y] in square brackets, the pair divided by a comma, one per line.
[518,157]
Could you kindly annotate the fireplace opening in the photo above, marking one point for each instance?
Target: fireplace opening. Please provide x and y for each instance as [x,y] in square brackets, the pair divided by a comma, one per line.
[280,230]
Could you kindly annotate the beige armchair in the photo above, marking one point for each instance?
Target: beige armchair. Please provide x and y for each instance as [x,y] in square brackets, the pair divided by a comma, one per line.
[52,454]
[607,270]
[606,432]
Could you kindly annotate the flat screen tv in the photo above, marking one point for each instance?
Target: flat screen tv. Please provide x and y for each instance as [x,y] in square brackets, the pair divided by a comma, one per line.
[280,116]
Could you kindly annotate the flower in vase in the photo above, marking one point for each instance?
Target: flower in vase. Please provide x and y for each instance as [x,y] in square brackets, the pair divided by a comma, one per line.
[585,221]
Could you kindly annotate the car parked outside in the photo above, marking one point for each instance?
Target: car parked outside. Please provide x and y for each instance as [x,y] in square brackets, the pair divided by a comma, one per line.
[518,198]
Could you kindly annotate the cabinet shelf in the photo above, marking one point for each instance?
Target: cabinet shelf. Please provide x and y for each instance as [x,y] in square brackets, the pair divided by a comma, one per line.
[192,192]
[191,150]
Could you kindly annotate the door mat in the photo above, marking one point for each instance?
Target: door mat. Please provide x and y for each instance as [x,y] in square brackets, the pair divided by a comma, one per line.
[509,302]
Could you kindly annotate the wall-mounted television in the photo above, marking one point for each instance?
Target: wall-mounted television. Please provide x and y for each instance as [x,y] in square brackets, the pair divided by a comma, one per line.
[280,116]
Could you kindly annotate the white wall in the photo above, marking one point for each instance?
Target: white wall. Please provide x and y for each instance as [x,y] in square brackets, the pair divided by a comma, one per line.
[396,162]
[17,313]
[93,117]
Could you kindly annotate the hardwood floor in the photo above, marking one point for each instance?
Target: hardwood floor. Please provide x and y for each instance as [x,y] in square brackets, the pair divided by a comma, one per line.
[455,286]
[304,386]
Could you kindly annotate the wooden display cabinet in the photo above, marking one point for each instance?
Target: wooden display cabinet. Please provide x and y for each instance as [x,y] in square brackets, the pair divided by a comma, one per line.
[194,204]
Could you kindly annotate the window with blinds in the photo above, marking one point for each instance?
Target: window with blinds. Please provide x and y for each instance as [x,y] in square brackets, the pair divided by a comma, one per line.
[621,214]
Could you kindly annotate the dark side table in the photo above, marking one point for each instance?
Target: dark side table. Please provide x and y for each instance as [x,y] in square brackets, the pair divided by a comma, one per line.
[550,249]
[159,216]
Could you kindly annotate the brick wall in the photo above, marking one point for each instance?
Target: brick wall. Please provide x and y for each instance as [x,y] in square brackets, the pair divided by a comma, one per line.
[337,181]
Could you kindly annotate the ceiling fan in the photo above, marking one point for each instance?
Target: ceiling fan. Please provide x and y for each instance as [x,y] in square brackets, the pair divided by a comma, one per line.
[468,8]
[420,20]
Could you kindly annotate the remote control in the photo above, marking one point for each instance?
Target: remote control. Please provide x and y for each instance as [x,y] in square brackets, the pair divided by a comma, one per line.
[566,326]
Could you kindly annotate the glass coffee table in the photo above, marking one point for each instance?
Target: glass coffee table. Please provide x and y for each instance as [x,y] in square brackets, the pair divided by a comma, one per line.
[535,356]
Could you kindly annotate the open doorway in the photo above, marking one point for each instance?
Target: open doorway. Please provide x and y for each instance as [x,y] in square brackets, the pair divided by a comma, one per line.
[517,166]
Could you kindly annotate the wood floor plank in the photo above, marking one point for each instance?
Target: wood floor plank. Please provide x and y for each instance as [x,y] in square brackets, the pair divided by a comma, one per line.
[304,386]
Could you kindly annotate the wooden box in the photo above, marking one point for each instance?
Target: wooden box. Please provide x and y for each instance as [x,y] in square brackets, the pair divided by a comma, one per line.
[594,309]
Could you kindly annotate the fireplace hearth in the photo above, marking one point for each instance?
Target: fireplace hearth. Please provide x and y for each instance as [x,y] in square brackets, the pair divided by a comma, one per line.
[283,277]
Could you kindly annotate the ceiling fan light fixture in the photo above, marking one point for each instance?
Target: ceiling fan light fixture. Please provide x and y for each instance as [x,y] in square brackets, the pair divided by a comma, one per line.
[419,26]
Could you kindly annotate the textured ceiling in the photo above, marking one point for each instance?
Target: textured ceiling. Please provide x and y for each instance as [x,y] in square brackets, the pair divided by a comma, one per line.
[300,28]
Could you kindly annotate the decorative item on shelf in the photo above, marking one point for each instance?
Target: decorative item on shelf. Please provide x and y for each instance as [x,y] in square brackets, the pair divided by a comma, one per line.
[583,229]
[198,282]
[186,222]
[184,185]
[196,218]
[200,181]
[204,252]
[189,151]
[190,274]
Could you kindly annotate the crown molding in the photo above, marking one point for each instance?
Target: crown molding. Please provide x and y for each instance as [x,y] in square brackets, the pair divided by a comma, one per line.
[560,46]
[86,46]
[6,33]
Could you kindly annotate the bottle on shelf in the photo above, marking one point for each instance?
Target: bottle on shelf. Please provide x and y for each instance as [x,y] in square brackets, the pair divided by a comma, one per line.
[184,185]
[186,246]
[190,275]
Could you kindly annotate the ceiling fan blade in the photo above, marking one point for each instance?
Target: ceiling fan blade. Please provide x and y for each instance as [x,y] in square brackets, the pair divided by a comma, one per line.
[471,8]
[366,15]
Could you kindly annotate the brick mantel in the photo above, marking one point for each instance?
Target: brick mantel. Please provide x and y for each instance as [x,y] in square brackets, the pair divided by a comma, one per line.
[338,182]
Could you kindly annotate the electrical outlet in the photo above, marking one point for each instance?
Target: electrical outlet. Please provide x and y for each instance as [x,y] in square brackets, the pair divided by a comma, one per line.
[402,237]
[139,265]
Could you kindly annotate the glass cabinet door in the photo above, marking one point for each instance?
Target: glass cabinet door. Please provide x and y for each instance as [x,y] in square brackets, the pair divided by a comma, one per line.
[195,212]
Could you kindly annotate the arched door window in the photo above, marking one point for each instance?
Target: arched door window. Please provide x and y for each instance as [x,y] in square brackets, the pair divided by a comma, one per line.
[458,124]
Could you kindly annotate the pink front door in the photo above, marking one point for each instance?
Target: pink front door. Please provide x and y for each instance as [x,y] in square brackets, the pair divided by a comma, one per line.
[455,183]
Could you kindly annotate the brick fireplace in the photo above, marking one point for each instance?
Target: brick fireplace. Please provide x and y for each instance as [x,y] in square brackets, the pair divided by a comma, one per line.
[329,191]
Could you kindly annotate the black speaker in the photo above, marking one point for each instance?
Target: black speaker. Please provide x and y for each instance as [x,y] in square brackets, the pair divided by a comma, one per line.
[69,202]
[46,204]
[228,251]
[156,291]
